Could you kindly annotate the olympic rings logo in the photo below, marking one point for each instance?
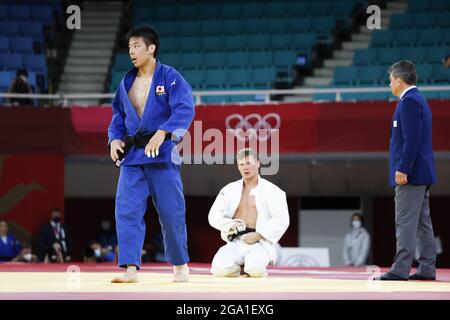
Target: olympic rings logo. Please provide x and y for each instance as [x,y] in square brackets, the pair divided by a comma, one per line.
[253,126]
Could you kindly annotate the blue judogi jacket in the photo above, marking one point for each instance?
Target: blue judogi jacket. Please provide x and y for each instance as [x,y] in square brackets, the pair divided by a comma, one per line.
[10,249]
[411,150]
[170,107]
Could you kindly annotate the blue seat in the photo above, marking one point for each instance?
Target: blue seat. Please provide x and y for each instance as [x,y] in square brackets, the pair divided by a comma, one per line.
[300,24]
[418,5]
[230,10]
[19,13]
[280,41]
[383,38]
[370,75]
[284,59]
[242,98]
[211,27]
[10,61]
[196,78]
[35,62]
[257,42]
[345,75]
[170,44]
[440,74]
[5,80]
[365,56]
[263,78]
[116,77]
[261,58]
[236,42]
[21,44]
[187,12]
[443,20]
[435,54]
[414,54]
[424,20]
[445,40]
[238,78]
[252,26]
[297,8]
[406,37]
[3,13]
[216,99]
[430,37]
[389,56]
[190,28]
[192,60]
[423,73]
[439,5]
[191,43]
[209,11]
[431,95]
[275,9]
[9,28]
[252,10]
[342,8]
[214,60]
[171,59]
[43,14]
[32,29]
[444,95]
[167,28]
[319,8]
[237,59]
[400,21]
[324,96]
[277,25]
[303,40]
[165,13]
[216,78]
[233,26]
[323,26]
[122,61]
[213,43]
[4,44]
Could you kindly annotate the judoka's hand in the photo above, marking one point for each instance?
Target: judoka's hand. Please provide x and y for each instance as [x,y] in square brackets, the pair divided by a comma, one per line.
[116,145]
[152,147]
[401,178]
[251,237]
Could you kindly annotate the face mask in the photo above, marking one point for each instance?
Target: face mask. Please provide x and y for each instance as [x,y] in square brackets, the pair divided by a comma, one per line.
[27,256]
[98,253]
[56,219]
[356,224]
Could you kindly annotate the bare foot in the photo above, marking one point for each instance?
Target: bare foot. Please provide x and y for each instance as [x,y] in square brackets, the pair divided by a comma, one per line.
[125,279]
[181,273]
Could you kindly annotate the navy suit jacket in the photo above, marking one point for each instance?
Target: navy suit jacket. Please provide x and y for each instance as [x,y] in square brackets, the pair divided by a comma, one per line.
[411,150]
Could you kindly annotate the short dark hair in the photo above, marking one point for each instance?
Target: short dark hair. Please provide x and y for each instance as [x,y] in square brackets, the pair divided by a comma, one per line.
[359,215]
[149,34]
[405,70]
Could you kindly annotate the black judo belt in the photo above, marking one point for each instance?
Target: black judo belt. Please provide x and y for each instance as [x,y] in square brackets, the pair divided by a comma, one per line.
[237,233]
[139,141]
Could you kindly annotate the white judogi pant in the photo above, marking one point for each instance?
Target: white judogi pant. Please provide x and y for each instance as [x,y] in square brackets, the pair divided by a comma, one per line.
[228,260]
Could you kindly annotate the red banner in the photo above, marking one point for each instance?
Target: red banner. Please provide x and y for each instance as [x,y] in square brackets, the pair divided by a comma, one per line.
[30,185]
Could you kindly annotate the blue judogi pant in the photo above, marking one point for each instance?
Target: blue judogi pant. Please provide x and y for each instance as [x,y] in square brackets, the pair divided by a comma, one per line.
[163,182]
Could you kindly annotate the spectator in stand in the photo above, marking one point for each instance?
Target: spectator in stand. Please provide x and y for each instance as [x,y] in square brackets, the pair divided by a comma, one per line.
[446,61]
[54,240]
[9,246]
[21,85]
[356,243]
[26,254]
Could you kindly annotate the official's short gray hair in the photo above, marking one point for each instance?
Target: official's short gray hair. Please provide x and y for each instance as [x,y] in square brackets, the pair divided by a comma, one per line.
[405,70]
[246,152]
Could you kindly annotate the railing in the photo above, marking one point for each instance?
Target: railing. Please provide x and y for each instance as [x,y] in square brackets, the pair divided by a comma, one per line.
[63,99]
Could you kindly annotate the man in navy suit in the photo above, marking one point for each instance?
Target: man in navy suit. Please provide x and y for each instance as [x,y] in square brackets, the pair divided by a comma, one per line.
[411,173]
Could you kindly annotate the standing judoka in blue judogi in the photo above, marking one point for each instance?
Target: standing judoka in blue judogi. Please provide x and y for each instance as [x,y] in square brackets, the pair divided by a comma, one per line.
[169,107]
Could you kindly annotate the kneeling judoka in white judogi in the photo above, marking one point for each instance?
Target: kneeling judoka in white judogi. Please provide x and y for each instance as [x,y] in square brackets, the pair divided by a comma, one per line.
[253,205]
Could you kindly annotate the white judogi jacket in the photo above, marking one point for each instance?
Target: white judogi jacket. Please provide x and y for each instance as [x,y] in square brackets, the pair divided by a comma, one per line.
[273,215]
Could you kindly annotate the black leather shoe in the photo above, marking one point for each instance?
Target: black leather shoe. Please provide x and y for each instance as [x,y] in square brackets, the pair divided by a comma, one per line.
[391,277]
[416,276]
